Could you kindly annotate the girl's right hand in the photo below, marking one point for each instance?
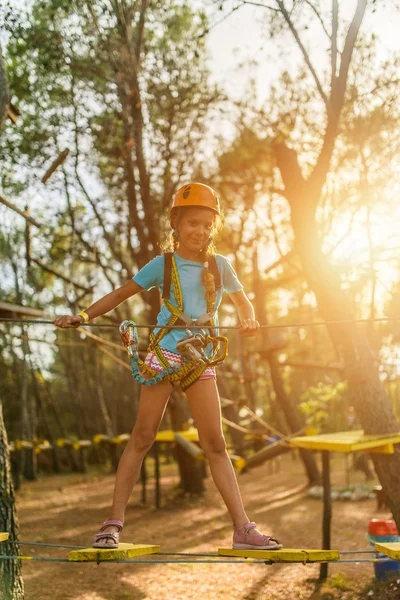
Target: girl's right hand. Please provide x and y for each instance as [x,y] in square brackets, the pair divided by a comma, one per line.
[67,321]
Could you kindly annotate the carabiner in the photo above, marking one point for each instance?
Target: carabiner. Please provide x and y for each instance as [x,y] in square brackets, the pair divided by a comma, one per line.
[129,336]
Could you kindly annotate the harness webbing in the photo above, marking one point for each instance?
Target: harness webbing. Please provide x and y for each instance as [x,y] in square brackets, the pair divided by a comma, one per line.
[168,273]
[192,369]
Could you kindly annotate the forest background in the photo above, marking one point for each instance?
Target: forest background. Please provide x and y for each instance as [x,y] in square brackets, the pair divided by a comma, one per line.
[301,142]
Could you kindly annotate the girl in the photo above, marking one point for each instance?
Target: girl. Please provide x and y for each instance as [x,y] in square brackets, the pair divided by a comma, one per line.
[195,217]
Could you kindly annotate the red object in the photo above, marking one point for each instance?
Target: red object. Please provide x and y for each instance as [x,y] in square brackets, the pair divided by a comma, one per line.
[382,527]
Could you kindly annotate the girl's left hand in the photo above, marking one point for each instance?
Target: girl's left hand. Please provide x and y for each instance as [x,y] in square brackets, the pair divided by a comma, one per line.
[249,327]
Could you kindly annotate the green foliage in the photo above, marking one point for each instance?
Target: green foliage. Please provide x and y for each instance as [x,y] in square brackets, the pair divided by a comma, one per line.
[325,407]
[339,582]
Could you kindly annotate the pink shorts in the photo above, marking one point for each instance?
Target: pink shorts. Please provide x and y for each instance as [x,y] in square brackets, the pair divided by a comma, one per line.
[176,361]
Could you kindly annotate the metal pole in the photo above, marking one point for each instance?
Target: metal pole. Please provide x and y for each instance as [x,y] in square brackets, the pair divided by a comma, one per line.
[327,515]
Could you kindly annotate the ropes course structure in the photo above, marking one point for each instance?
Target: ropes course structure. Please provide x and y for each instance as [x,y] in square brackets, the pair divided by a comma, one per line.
[128,553]
[139,553]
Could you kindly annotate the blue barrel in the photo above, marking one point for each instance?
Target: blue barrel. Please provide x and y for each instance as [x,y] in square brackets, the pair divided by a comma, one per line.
[380,531]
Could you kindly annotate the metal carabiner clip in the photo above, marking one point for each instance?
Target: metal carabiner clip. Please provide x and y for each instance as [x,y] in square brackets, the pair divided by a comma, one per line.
[129,336]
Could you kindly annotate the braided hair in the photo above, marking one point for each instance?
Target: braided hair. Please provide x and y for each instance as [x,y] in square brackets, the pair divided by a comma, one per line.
[207,278]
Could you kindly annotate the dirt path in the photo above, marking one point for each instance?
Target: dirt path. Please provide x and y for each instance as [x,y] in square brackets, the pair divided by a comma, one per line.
[68,509]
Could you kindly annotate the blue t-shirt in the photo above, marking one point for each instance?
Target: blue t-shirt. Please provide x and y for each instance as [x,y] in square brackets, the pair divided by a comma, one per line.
[193,291]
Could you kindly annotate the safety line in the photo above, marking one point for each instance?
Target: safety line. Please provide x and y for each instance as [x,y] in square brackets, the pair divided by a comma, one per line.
[357,552]
[15,542]
[281,326]
[218,561]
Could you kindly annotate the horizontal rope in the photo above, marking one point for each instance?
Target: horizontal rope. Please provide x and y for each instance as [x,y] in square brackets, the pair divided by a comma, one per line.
[281,326]
[216,560]
[15,542]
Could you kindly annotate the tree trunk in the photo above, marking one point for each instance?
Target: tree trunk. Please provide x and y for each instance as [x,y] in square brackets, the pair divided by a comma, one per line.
[191,470]
[231,413]
[45,416]
[286,403]
[52,404]
[11,583]
[369,397]
[28,415]
[294,419]
[4,93]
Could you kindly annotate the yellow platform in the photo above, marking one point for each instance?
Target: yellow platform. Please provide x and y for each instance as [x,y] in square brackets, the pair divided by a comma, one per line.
[391,549]
[348,441]
[4,536]
[167,435]
[284,555]
[123,551]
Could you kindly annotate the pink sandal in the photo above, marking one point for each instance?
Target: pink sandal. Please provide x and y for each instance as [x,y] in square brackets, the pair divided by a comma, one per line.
[243,541]
[100,538]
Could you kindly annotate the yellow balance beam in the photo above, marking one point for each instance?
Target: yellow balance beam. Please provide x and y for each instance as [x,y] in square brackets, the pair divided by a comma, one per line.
[284,555]
[122,552]
[391,549]
[167,435]
[4,536]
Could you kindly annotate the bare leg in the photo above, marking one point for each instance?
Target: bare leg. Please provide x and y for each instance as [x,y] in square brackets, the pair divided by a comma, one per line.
[153,402]
[204,401]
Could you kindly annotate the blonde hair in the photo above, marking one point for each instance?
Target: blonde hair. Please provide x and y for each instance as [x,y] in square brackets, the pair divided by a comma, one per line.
[172,243]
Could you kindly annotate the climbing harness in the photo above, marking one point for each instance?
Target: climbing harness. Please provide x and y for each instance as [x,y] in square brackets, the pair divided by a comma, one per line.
[192,348]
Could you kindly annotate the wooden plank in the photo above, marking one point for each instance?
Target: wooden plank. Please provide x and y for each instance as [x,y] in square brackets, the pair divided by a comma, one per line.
[9,309]
[348,441]
[123,551]
[4,536]
[391,549]
[284,555]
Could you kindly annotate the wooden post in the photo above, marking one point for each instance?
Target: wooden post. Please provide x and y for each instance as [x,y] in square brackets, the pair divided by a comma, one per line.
[143,479]
[157,475]
[327,516]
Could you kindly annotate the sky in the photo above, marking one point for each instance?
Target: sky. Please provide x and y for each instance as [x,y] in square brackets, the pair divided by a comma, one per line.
[243,36]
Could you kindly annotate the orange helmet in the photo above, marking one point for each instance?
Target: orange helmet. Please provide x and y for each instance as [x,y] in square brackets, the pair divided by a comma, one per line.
[196,194]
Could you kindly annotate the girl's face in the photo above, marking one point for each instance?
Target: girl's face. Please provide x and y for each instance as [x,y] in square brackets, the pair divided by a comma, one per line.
[195,227]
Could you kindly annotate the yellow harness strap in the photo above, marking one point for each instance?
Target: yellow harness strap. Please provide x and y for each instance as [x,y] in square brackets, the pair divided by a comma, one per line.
[193,369]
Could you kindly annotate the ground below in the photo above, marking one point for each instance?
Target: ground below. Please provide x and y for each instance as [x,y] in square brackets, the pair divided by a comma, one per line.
[68,509]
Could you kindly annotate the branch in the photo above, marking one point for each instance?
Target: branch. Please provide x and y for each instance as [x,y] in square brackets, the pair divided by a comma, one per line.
[67,279]
[318,16]
[79,234]
[20,212]
[140,29]
[56,163]
[117,254]
[318,176]
[338,91]
[234,9]
[335,18]
[261,5]
[304,52]
[208,29]
[273,228]
[284,258]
